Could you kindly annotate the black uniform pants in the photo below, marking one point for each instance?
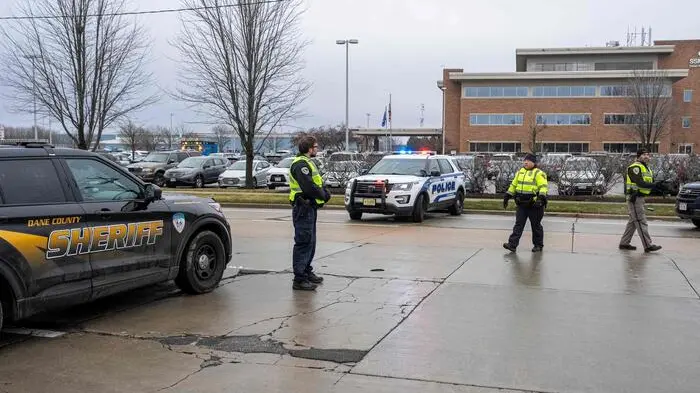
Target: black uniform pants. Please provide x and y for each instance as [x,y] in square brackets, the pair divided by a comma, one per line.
[535,215]
[304,218]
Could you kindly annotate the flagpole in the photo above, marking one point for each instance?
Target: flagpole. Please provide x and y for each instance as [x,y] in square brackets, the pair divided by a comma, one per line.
[391,138]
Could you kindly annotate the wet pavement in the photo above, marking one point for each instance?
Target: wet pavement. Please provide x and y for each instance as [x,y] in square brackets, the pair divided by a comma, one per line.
[436,307]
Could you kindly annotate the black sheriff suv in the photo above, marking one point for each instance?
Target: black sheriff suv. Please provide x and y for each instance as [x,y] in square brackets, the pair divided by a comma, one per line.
[75,227]
[688,203]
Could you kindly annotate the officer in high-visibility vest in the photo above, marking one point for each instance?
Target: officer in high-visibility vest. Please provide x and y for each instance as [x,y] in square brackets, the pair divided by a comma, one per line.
[639,183]
[306,194]
[529,189]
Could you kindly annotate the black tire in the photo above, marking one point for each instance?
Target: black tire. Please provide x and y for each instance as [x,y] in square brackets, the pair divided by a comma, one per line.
[198,182]
[159,179]
[203,264]
[419,209]
[355,215]
[255,182]
[696,222]
[271,187]
[458,207]
[1,314]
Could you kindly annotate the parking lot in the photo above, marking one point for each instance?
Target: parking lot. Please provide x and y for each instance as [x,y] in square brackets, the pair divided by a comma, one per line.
[438,306]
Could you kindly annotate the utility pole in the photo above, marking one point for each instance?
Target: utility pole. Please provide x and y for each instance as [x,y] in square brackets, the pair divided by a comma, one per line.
[347,87]
[368,115]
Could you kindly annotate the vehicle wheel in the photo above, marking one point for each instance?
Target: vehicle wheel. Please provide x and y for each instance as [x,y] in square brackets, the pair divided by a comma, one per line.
[198,182]
[270,186]
[203,264]
[696,222]
[355,215]
[255,183]
[419,209]
[458,207]
[159,180]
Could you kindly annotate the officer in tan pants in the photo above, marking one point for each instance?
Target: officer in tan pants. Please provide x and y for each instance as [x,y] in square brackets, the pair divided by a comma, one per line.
[639,184]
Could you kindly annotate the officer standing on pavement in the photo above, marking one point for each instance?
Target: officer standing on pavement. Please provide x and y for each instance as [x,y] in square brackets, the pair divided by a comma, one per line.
[639,183]
[307,194]
[529,189]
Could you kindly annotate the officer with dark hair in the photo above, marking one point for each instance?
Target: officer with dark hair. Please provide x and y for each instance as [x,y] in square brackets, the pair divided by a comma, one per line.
[307,194]
[639,183]
[529,189]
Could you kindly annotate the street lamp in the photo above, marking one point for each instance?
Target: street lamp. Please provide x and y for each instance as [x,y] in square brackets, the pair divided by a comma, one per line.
[347,87]
[32,58]
[443,88]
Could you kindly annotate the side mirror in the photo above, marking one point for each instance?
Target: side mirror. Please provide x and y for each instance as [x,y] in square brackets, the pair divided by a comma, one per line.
[206,167]
[435,174]
[171,161]
[363,171]
[152,193]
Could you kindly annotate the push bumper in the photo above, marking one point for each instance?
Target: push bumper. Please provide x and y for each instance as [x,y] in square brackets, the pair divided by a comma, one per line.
[378,200]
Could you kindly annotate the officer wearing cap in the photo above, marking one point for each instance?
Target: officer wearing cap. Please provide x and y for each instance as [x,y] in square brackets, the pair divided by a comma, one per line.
[639,183]
[529,189]
[307,194]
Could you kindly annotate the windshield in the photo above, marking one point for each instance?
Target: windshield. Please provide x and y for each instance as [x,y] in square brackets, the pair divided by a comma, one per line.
[343,166]
[156,157]
[286,163]
[500,158]
[192,162]
[581,165]
[406,166]
[238,166]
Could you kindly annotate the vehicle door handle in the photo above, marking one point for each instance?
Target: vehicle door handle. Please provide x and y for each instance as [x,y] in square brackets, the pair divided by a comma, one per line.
[104,213]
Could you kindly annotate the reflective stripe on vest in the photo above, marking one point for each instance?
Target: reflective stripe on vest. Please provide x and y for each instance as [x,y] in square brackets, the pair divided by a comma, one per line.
[294,188]
[526,183]
[647,176]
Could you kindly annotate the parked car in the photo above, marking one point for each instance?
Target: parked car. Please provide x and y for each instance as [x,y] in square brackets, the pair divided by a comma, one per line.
[495,163]
[196,172]
[552,163]
[581,175]
[230,157]
[688,203]
[278,176]
[474,170]
[344,156]
[234,176]
[504,178]
[339,173]
[152,168]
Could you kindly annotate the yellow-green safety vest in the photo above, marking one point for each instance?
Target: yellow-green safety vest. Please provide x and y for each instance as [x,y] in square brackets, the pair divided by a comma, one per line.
[529,182]
[647,176]
[294,188]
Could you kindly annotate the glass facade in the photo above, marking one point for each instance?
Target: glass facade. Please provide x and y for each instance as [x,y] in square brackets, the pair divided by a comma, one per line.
[627,91]
[495,147]
[496,91]
[545,67]
[564,147]
[496,119]
[620,119]
[564,119]
[622,147]
[563,91]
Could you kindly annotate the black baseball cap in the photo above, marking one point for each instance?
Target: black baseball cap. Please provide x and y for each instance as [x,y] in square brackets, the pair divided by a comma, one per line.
[642,151]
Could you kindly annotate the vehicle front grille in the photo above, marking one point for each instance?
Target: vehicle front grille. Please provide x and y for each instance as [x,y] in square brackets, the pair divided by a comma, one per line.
[371,188]
[135,170]
[689,196]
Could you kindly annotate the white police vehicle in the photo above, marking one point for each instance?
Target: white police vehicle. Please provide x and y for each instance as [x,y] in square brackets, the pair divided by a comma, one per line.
[408,185]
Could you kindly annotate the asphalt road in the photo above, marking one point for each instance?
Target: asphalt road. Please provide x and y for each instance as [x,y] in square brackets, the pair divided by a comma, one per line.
[438,306]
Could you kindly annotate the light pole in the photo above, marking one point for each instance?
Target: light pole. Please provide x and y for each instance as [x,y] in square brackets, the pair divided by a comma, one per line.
[443,88]
[347,87]
[368,115]
[33,58]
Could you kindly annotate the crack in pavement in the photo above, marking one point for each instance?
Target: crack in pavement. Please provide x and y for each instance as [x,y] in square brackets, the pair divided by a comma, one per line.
[684,276]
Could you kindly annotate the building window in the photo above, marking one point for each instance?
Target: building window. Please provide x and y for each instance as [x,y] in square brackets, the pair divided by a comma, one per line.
[495,147]
[564,91]
[685,148]
[621,119]
[563,147]
[686,122]
[564,119]
[626,147]
[621,66]
[495,91]
[687,95]
[496,119]
[540,67]
[630,91]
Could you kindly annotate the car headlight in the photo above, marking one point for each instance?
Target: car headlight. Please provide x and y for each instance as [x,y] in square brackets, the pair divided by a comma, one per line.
[147,170]
[401,186]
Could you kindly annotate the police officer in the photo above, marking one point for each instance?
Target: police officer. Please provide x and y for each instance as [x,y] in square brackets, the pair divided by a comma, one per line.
[307,194]
[639,184]
[529,189]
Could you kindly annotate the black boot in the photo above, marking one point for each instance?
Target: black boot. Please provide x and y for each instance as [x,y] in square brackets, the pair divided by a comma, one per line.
[304,286]
[509,247]
[537,249]
[315,279]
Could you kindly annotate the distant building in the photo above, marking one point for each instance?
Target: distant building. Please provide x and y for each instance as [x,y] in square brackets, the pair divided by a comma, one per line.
[578,92]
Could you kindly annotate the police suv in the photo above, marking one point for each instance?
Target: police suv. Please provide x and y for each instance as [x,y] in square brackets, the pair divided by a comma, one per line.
[77,227]
[408,185]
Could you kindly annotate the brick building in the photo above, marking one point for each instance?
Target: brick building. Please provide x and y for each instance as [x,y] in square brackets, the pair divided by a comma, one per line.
[580,93]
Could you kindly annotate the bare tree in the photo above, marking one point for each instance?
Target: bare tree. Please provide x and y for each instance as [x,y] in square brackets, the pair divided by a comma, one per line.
[222,134]
[242,64]
[148,139]
[535,129]
[166,136]
[85,61]
[652,106]
[130,134]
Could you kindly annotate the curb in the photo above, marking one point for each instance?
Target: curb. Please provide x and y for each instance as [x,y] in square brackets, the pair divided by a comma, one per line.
[486,212]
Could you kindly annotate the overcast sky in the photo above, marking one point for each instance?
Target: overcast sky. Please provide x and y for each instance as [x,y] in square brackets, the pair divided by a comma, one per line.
[404,44]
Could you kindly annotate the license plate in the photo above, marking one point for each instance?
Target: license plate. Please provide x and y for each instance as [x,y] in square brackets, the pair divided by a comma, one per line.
[683,206]
[581,187]
[369,202]
[172,179]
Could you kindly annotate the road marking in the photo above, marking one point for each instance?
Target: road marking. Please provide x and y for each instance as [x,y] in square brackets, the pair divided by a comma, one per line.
[34,332]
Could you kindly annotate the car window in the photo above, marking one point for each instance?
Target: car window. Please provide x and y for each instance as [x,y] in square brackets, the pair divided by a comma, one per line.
[433,166]
[265,165]
[445,166]
[100,182]
[30,182]
[219,162]
[181,156]
[209,162]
